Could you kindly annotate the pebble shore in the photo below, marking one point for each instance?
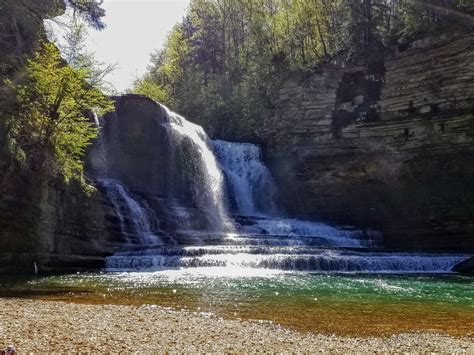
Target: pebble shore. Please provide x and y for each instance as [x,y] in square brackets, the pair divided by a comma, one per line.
[50,326]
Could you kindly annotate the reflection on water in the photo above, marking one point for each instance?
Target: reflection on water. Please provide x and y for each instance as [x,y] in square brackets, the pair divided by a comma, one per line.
[329,303]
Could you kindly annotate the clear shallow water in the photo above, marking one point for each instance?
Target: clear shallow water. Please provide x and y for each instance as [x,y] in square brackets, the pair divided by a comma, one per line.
[355,304]
[250,262]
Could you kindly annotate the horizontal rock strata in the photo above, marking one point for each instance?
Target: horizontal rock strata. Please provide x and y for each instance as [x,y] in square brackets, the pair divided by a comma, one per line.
[390,145]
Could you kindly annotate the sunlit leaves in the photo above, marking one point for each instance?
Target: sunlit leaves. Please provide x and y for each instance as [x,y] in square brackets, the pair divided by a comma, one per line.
[147,87]
[221,63]
[52,108]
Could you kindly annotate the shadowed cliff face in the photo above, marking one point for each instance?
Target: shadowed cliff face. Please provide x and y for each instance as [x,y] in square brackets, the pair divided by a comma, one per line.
[390,146]
[53,225]
[134,140]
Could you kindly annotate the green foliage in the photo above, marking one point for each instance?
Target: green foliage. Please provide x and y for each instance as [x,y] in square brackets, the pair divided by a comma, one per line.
[21,32]
[151,89]
[73,50]
[50,117]
[221,63]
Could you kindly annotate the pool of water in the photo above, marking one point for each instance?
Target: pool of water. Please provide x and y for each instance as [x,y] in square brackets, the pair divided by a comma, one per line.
[353,304]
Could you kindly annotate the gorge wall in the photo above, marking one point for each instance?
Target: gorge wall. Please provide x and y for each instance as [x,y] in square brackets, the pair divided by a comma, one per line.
[389,146]
[52,226]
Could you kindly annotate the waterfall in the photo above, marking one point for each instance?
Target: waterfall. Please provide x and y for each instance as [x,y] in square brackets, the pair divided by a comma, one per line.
[192,150]
[128,208]
[199,182]
[101,163]
[254,190]
[250,180]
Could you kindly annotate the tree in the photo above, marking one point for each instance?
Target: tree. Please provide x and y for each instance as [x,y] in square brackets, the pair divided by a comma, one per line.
[221,64]
[50,123]
[74,51]
[21,32]
[90,11]
[146,86]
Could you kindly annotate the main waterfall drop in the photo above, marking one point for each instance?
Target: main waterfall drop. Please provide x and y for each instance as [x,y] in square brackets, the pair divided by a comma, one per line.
[201,203]
[191,149]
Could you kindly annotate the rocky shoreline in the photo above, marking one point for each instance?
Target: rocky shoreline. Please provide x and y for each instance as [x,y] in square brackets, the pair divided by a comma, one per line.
[50,326]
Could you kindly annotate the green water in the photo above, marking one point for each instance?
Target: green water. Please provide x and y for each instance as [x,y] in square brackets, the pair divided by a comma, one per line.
[330,303]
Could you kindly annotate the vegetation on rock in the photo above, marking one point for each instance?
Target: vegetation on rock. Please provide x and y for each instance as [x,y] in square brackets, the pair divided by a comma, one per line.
[45,102]
[49,119]
[221,63]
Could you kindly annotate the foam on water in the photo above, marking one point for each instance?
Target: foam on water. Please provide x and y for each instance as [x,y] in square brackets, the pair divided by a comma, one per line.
[317,261]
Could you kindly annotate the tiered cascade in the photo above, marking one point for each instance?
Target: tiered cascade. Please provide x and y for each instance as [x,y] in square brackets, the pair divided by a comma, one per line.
[221,210]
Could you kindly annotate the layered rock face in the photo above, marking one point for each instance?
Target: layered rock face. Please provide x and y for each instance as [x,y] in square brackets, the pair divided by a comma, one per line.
[52,227]
[389,146]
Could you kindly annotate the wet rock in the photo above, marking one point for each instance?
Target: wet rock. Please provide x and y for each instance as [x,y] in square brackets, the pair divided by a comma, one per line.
[465,267]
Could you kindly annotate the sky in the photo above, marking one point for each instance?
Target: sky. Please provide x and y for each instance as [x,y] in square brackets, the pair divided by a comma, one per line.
[135,29]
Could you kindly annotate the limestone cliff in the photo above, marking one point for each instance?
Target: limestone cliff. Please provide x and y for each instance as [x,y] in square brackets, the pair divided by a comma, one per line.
[390,145]
[55,225]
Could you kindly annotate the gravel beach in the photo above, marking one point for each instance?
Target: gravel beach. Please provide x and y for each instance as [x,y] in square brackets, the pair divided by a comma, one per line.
[50,326]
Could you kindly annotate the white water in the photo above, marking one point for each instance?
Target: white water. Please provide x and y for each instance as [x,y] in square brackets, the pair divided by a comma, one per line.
[207,180]
[259,238]
[125,205]
[309,260]
[250,180]
[102,156]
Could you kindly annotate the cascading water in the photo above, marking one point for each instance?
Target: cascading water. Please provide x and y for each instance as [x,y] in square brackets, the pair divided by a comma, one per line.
[222,177]
[203,173]
[253,191]
[250,180]
[128,208]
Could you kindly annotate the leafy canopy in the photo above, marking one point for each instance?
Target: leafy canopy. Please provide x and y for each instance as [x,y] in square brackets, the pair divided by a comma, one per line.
[223,62]
[74,51]
[50,123]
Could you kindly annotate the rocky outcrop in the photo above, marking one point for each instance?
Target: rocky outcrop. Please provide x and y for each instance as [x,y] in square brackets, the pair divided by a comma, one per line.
[51,226]
[159,169]
[465,267]
[135,146]
[389,146]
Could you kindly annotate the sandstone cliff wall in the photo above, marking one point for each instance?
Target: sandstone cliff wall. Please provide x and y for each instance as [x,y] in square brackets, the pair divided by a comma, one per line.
[390,145]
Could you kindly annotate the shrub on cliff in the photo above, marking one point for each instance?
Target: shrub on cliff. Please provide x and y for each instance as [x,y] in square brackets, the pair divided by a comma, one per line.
[49,120]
